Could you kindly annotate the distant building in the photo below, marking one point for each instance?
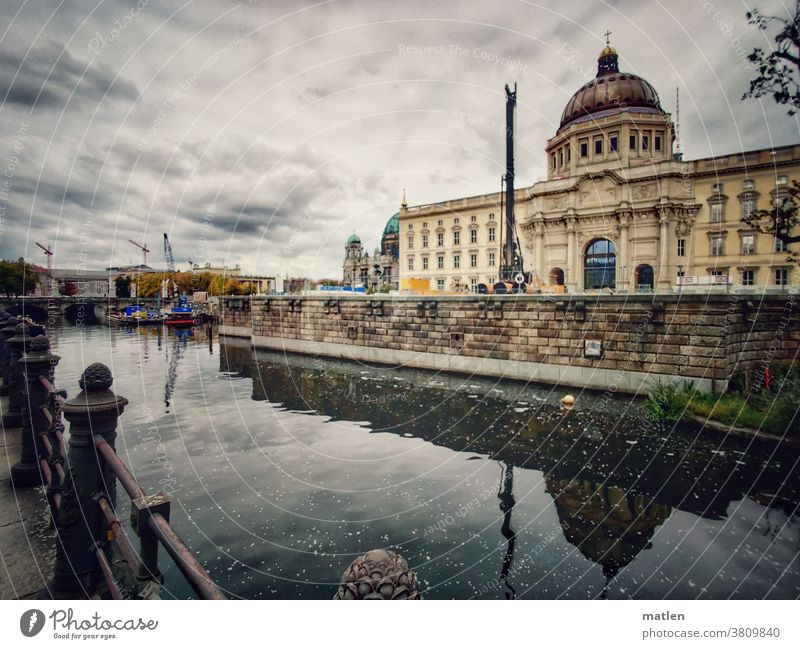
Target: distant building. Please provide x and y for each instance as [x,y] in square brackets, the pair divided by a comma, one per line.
[382,268]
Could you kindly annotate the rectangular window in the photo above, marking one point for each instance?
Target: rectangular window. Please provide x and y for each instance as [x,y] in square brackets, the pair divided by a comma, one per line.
[560,157]
[748,244]
[457,238]
[748,205]
[717,188]
[613,142]
[782,180]
[598,146]
[473,260]
[424,263]
[553,161]
[681,247]
[748,277]
[473,283]
[569,153]
[440,239]
[780,246]
[456,261]
[584,148]
[440,284]
[473,219]
[491,259]
[658,139]
[411,242]
[717,246]
[645,140]
[491,234]
[440,262]
[717,213]
[473,236]
[781,276]
[748,185]
[718,273]
[424,240]
[441,223]
[632,143]
[410,263]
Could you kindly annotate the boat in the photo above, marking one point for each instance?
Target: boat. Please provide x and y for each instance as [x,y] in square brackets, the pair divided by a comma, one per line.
[182,314]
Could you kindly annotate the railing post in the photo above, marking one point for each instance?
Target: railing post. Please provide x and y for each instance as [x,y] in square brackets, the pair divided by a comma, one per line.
[38,361]
[5,333]
[16,382]
[81,525]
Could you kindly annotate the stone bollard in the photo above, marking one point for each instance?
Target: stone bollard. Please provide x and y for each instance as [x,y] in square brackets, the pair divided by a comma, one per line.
[38,361]
[5,333]
[16,382]
[379,574]
[81,525]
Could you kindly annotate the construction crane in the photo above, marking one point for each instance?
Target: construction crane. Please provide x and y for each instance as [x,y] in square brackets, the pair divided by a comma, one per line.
[169,258]
[144,250]
[49,254]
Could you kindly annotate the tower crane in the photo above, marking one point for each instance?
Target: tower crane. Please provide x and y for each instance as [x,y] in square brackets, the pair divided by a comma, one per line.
[169,258]
[144,250]
[49,255]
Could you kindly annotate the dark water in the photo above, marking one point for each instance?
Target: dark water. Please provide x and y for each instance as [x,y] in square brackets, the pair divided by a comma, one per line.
[282,469]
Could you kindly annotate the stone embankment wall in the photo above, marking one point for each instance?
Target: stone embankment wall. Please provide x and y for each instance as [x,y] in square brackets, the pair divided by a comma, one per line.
[609,342]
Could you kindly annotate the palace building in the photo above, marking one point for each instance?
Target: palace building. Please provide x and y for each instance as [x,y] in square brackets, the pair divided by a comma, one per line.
[620,209]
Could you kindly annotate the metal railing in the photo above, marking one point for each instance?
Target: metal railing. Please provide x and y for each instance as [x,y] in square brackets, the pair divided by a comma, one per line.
[81,479]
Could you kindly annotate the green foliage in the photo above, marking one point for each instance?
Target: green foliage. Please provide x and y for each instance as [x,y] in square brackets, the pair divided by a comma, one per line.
[773,411]
[122,284]
[17,278]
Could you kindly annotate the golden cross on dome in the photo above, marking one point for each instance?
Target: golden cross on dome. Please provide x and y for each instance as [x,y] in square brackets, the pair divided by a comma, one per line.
[608,35]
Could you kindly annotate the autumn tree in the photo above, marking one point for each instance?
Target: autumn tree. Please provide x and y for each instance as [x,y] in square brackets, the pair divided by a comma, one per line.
[17,278]
[778,69]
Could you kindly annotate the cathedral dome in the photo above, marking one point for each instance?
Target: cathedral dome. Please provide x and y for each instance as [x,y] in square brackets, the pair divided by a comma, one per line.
[610,91]
[353,240]
[392,225]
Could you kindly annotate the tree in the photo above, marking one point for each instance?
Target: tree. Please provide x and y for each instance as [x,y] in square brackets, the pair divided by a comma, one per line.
[122,286]
[778,70]
[782,218]
[17,278]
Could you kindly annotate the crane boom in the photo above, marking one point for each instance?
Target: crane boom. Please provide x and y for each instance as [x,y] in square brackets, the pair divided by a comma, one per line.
[144,250]
[169,258]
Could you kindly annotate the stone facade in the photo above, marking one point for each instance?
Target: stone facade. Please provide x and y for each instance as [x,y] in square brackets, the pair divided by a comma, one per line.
[535,338]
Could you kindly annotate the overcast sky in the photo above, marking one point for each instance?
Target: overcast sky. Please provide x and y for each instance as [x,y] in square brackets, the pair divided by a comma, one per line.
[265,133]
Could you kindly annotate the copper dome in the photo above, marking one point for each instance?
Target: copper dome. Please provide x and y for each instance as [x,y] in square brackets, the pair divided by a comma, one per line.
[610,90]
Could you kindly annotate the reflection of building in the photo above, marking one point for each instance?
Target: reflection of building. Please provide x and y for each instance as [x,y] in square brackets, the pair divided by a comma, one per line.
[620,210]
[381,268]
[607,524]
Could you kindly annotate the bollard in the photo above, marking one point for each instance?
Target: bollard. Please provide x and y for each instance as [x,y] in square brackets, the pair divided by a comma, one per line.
[81,525]
[16,383]
[5,333]
[379,574]
[37,362]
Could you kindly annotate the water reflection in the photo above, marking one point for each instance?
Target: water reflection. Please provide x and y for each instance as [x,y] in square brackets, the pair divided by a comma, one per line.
[613,478]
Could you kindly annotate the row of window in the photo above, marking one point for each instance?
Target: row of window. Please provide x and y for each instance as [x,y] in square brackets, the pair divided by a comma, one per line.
[747,245]
[491,258]
[440,223]
[473,238]
[747,276]
[748,184]
[638,142]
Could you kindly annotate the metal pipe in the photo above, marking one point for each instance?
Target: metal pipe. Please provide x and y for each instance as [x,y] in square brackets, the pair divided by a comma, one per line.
[195,574]
[118,468]
[107,574]
[119,534]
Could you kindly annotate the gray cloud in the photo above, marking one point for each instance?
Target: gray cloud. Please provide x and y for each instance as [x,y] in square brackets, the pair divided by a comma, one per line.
[264,134]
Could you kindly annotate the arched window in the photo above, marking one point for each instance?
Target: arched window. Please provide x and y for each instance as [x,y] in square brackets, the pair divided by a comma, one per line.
[599,265]
[557,277]
[644,277]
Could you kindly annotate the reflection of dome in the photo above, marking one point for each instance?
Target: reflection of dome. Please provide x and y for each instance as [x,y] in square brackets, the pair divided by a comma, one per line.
[353,239]
[610,90]
[392,225]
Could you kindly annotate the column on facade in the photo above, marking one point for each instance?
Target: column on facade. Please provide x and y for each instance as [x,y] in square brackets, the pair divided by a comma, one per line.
[622,259]
[663,268]
[538,247]
[572,265]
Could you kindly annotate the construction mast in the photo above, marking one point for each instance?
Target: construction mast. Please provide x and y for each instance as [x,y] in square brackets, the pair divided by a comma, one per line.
[511,270]
[49,254]
[144,250]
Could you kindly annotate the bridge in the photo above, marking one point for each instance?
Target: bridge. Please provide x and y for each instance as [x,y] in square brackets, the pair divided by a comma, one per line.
[76,309]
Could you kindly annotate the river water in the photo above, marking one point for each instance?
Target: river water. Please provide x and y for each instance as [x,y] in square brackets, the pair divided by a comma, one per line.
[282,469]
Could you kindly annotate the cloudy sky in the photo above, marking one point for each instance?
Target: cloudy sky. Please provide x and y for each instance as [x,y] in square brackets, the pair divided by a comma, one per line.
[264,133]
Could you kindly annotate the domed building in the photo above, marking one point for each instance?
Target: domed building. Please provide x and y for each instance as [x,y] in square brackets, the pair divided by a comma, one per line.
[380,270]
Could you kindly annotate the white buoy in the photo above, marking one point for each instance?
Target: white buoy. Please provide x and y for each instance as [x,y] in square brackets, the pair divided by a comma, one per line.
[567,401]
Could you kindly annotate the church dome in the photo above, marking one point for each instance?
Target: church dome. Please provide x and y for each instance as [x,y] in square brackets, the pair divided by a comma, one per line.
[610,91]
[392,225]
[353,240]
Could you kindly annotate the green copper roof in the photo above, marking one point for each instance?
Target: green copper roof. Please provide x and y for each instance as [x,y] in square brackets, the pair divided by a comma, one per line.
[353,239]
[392,225]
